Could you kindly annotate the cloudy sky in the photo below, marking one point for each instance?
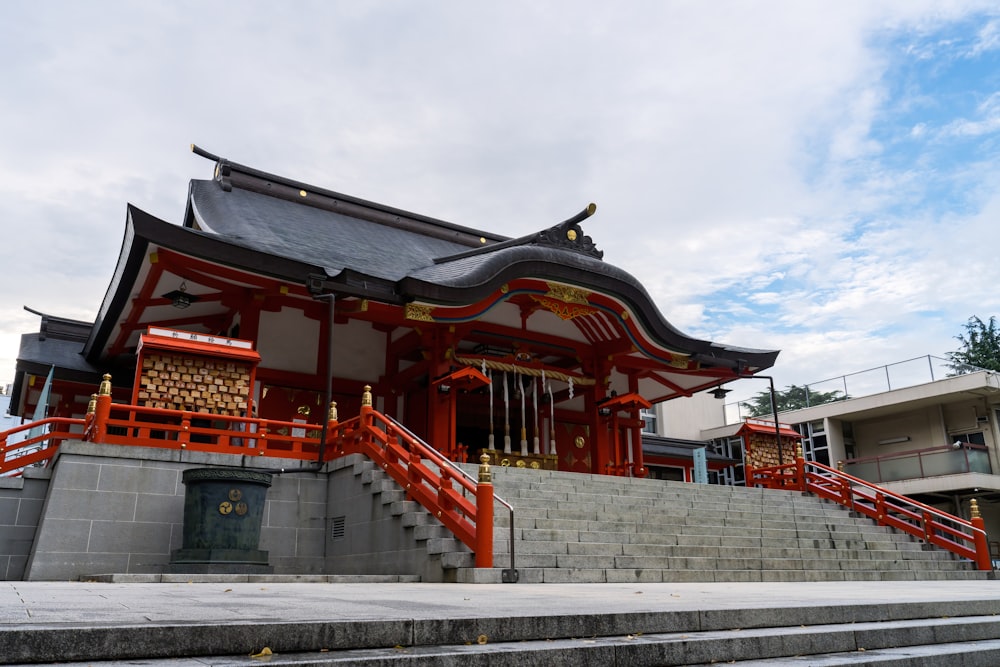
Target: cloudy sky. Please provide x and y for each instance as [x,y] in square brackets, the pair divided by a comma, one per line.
[816,177]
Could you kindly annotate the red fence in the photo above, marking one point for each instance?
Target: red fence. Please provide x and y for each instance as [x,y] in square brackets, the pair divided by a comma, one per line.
[964,538]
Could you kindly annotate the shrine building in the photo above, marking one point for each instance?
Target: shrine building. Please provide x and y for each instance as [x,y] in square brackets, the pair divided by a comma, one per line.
[533,350]
[296,382]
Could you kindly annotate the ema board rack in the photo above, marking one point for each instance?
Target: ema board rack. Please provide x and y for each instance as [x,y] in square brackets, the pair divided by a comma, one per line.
[181,370]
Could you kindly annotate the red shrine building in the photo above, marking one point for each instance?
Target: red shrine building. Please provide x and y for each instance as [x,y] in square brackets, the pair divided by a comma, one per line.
[533,350]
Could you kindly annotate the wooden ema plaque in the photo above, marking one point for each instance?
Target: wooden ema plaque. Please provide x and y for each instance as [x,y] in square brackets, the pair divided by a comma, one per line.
[180,370]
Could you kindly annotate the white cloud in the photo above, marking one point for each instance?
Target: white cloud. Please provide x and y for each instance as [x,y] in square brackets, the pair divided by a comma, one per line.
[728,146]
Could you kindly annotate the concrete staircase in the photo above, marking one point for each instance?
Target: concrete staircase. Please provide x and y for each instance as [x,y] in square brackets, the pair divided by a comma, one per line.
[574,528]
[564,626]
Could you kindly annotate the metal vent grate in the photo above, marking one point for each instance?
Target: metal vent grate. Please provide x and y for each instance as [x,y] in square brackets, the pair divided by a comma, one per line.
[338,527]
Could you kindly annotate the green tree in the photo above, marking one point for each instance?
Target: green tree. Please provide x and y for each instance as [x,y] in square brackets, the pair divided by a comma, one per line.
[980,347]
[792,398]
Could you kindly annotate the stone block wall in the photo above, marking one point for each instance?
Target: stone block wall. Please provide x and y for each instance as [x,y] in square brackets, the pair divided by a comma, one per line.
[21,502]
[364,537]
[113,509]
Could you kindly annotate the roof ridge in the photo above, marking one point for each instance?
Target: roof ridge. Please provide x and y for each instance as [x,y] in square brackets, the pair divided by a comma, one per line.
[229,174]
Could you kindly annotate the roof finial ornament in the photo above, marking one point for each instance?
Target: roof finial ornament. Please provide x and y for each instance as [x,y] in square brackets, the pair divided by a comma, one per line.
[568,234]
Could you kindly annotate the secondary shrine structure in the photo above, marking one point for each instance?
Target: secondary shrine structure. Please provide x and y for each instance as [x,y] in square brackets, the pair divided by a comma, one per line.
[275,298]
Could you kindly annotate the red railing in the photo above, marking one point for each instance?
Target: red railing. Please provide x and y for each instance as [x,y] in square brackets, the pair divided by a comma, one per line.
[966,539]
[201,432]
[425,474]
[38,449]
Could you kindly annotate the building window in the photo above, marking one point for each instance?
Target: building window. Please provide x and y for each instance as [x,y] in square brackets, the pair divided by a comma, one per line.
[649,417]
[732,448]
[669,473]
[975,438]
[814,443]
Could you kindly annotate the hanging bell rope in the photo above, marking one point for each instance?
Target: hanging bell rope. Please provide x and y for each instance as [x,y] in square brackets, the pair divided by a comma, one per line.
[525,370]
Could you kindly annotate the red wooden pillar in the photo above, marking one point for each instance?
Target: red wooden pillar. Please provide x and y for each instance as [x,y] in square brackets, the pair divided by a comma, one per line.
[102,410]
[618,454]
[600,443]
[484,514]
[983,560]
[639,463]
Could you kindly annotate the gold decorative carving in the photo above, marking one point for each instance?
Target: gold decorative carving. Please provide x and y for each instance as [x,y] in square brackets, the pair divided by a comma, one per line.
[571,234]
[579,441]
[225,507]
[568,294]
[235,494]
[566,311]
[418,311]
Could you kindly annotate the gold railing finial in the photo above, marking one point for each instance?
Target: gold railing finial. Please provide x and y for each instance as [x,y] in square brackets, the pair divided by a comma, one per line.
[331,414]
[840,466]
[485,476]
[105,388]
[92,406]
[798,450]
[974,509]
[366,397]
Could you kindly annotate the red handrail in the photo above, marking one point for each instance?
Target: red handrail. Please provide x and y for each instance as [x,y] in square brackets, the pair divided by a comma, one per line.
[14,456]
[202,432]
[966,539]
[424,473]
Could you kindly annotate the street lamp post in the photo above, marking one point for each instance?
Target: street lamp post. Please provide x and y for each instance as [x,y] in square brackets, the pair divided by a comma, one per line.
[719,392]
[774,412]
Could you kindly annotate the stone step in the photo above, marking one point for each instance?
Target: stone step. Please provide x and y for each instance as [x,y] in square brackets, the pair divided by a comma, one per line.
[381,624]
[896,643]
[558,575]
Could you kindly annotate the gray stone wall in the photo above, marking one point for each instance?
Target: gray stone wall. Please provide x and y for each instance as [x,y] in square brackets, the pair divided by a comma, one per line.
[109,509]
[294,525]
[21,502]
[370,538]
[114,509]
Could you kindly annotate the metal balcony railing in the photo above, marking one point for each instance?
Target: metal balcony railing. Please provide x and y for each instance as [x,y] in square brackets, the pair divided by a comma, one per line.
[955,459]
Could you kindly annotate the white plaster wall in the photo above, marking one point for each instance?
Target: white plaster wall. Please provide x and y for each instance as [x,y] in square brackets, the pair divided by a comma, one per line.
[288,341]
[687,417]
[359,351]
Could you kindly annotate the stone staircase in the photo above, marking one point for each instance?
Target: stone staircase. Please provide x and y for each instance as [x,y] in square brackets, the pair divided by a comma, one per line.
[504,626]
[574,528]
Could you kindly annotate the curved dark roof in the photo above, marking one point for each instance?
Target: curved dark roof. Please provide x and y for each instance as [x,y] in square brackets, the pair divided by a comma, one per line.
[327,239]
[334,242]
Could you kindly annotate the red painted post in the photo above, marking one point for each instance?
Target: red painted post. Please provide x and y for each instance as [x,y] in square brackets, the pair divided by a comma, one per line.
[983,561]
[330,431]
[366,406]
[484,514]
[444,501]
[102,411]
[800,469]
[184,436]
